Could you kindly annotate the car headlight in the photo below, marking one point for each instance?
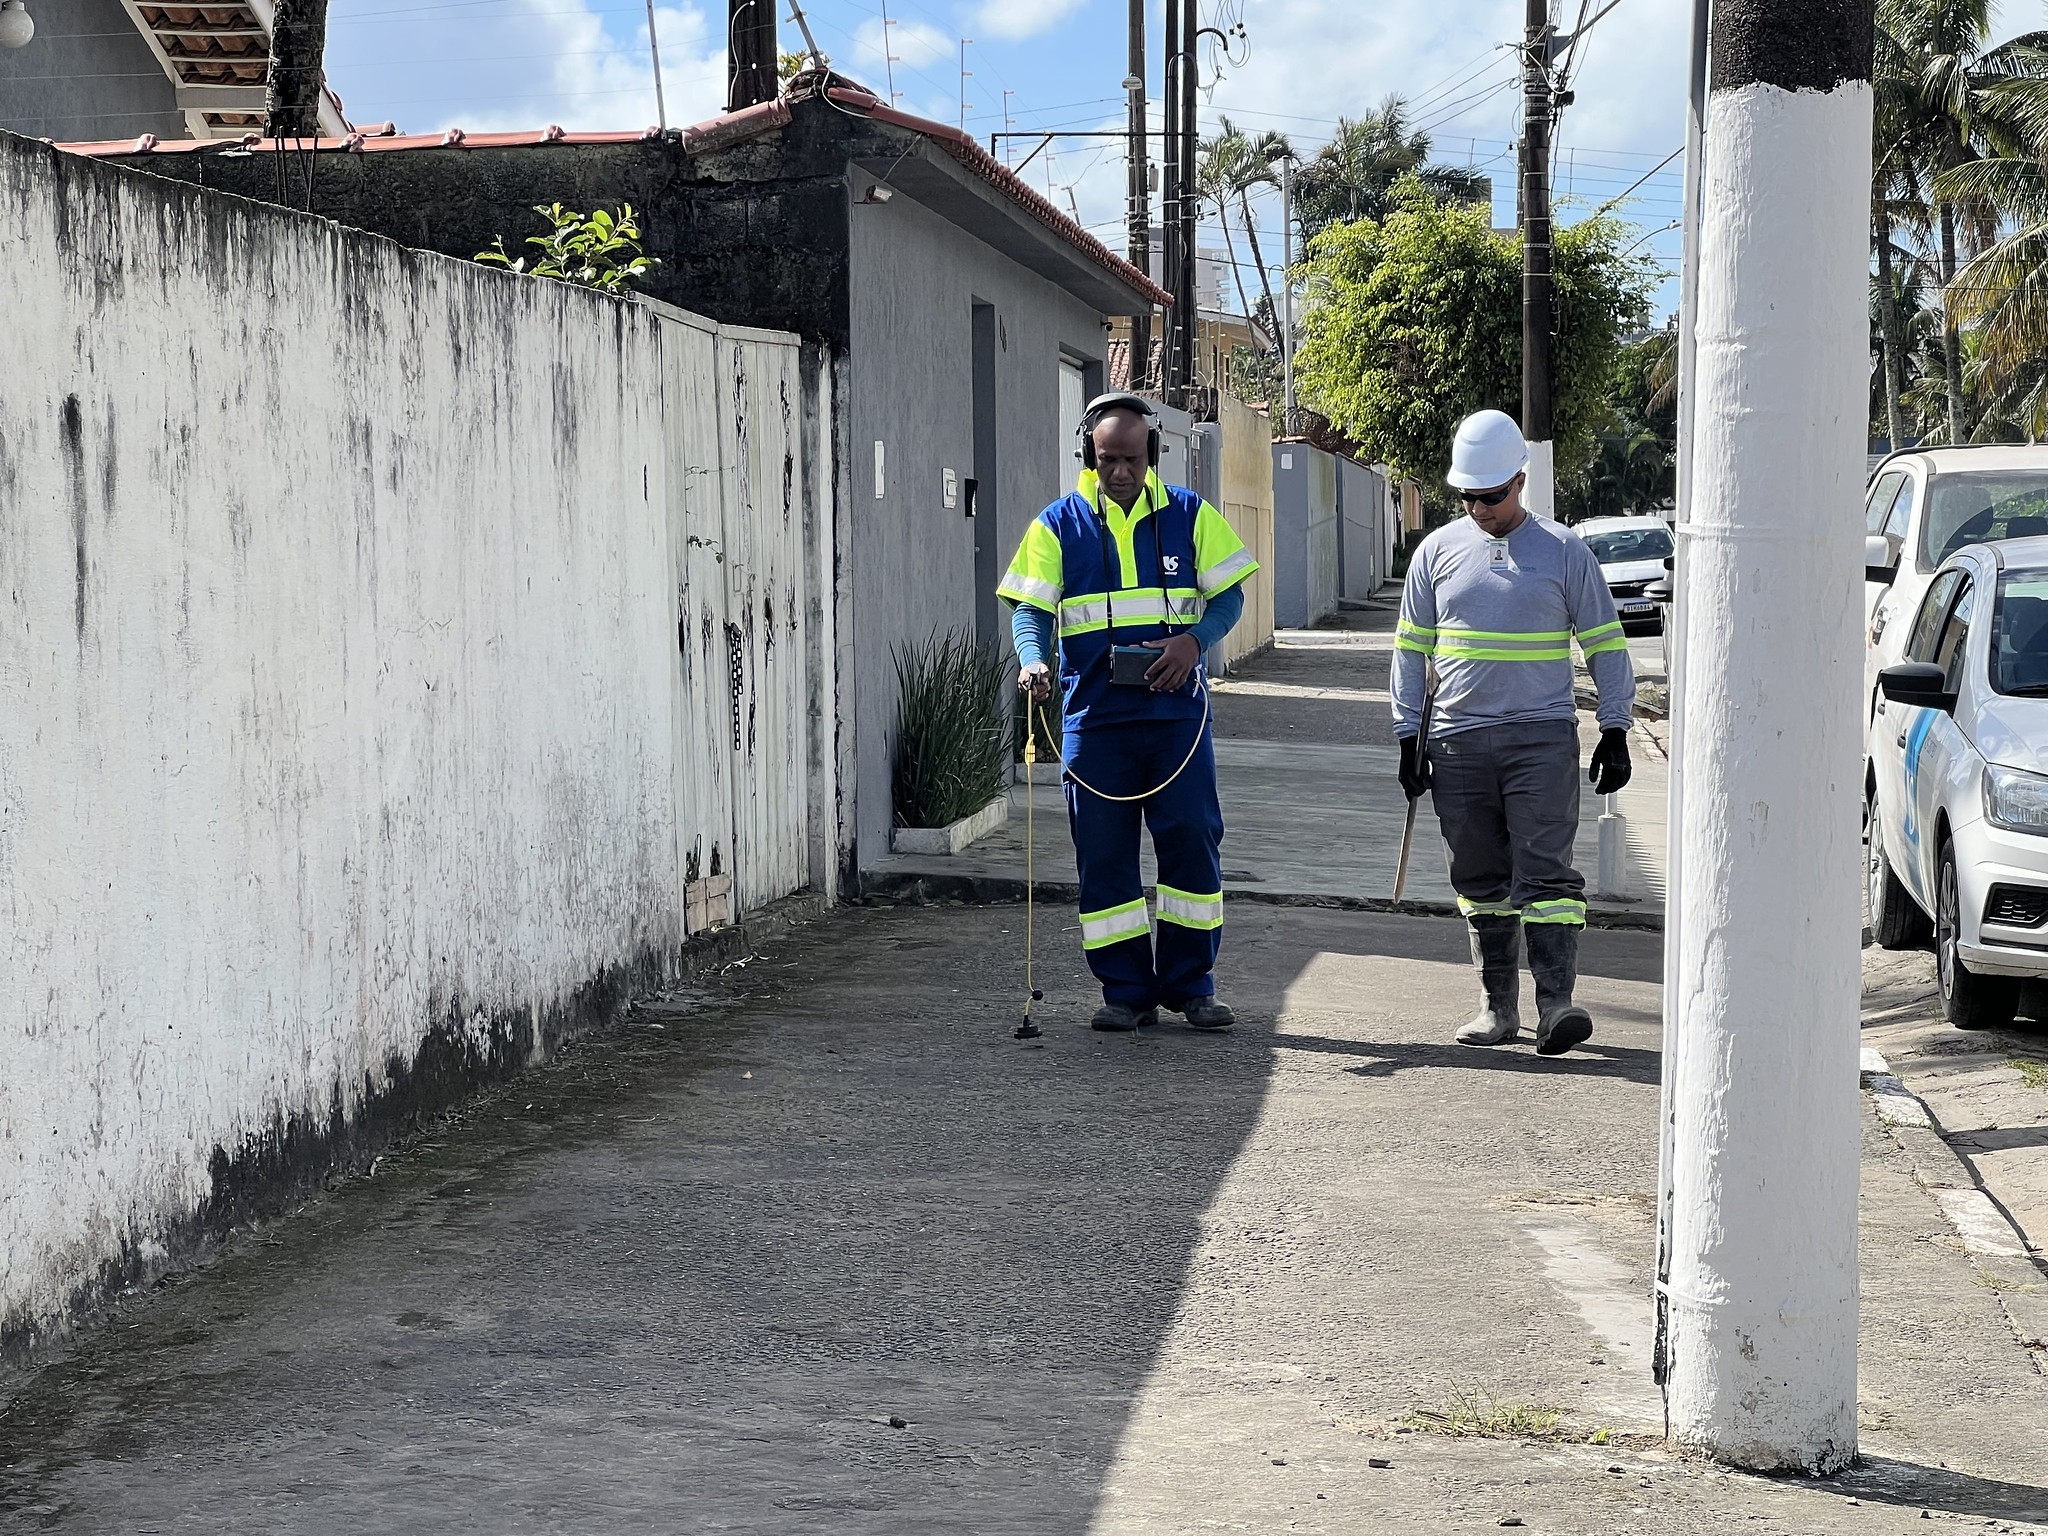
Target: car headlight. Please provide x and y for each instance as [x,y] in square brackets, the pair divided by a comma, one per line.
[2015,800]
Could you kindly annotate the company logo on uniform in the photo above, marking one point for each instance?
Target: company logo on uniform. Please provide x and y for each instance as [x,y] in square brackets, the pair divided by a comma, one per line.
[1172,564]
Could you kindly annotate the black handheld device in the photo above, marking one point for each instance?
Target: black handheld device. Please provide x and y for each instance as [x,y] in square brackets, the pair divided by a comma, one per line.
[1128,665]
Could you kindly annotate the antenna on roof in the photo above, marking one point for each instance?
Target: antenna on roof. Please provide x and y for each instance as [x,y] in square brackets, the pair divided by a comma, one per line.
[818,60]
[654,48]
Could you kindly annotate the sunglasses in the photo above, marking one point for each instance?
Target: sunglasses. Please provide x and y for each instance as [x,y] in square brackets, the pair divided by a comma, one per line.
[1488,498]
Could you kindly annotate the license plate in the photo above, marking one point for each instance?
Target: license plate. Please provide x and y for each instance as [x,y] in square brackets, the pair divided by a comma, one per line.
[1638,607]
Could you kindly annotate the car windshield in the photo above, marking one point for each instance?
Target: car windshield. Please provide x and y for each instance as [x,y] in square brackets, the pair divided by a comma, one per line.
[2019,646]
[1614,546]
[1979,507]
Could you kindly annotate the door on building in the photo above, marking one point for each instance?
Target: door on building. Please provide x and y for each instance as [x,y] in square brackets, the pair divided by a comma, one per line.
[1073,401]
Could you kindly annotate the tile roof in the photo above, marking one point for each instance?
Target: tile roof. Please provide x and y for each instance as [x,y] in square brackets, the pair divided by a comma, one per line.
[711,135]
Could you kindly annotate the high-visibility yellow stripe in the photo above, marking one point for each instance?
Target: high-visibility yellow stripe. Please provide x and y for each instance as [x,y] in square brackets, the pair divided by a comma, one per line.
[1030,589]
[1611,643]
[1566,912]
[1487,908]
[1448,652]
[1221,560]
[1114,925]
[1403,643]
[1188,910]
[1037,573]
[1452,632]
[1613,627]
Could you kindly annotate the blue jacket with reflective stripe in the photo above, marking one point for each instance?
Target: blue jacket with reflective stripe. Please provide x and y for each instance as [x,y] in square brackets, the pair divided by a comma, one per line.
[1159,599]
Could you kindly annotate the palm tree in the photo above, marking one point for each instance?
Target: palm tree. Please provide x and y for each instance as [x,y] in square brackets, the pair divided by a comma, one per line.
[1221,175]
[1353,176]
[1933,63]
[2003,290]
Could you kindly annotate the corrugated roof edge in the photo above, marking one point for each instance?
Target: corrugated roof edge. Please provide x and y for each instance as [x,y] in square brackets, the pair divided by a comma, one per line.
[713,134]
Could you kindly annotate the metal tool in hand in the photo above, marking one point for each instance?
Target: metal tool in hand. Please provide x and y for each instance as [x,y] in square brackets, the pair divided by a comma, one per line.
[1422,755]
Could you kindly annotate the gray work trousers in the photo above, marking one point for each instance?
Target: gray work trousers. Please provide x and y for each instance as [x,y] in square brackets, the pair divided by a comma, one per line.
[1507,797]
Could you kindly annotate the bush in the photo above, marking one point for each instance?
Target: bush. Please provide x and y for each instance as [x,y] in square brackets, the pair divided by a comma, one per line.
[953,728]
[601,251]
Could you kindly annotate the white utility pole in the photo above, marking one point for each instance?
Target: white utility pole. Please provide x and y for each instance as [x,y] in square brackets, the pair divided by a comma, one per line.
[1674,664]
[1287,292]
[1762,1289]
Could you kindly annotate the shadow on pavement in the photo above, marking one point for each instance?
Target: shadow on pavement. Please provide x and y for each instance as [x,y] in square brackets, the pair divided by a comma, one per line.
[830,1252]
[1591,1060]
[1910,1486]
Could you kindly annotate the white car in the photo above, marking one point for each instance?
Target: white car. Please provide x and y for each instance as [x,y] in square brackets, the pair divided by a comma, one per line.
[1631,552]
[1923,505]
[1957,782]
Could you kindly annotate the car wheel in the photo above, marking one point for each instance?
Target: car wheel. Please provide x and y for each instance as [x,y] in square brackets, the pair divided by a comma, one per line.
[1896,921]
[1968,1001]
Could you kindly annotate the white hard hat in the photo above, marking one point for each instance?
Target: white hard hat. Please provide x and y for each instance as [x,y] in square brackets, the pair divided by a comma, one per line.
[1488,451]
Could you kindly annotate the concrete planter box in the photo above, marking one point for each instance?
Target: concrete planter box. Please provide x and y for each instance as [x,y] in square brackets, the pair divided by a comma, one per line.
[952,839]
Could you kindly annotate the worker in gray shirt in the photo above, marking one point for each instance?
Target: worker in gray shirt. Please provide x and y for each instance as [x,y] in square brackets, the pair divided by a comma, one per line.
[1488,616]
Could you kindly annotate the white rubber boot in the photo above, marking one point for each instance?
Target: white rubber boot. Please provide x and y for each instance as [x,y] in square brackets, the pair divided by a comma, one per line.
[1496,951]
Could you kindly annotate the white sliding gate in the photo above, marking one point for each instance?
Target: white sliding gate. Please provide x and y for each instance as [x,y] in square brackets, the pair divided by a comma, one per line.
[749,686]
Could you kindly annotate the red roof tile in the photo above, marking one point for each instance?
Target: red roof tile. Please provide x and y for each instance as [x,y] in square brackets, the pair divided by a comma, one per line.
[713,134]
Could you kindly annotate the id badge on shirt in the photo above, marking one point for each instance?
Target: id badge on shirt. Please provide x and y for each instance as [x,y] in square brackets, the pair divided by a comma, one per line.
[1498,558]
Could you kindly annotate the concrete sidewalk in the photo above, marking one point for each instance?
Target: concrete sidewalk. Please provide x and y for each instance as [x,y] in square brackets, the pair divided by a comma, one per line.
[1306,761]
[821,1249]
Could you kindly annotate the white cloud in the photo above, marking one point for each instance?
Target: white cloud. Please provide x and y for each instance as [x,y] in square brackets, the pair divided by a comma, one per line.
[1014,19]
[543,62]
[915,44]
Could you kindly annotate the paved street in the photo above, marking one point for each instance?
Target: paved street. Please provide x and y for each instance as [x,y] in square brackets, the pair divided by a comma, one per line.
[685,1279]
[817,1247]
[1305,760]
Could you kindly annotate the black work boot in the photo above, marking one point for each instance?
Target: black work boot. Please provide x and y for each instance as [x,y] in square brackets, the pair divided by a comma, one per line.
[1203,1013]
[1116,1019]
[1554,962]
[1497,952]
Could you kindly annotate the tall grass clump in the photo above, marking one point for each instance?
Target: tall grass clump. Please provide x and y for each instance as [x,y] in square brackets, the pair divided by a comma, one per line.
[953,728]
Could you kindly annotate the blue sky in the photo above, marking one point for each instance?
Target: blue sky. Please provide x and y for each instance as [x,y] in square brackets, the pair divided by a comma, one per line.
[485,64]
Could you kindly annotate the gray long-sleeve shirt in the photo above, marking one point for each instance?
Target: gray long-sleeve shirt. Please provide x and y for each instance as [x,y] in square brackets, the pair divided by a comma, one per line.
[1496,617]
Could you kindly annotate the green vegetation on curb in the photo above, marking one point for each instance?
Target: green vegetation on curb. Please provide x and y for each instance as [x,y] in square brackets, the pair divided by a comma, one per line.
[1474,1414]
[953,728]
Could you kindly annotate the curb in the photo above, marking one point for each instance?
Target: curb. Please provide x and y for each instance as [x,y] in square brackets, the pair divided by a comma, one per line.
[2005,1263]
[902,888]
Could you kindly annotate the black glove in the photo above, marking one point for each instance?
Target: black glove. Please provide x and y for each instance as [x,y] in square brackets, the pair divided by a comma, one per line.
[1414,768]
[1611,768]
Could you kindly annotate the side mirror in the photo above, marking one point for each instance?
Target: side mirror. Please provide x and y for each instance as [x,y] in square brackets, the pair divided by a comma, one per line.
[1877,560]
[1659,591]
[1920,684]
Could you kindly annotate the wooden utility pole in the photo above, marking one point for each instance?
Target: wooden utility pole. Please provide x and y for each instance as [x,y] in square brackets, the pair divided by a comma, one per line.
[292,91]
[1139,210]
[1190,203]
[1537,283]
[1766,1123]
[752,73]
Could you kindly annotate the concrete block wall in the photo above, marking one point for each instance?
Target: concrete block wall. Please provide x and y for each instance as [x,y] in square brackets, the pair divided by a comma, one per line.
[338,749]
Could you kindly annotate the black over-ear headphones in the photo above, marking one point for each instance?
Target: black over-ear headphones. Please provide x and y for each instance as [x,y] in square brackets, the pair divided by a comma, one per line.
[1101,406]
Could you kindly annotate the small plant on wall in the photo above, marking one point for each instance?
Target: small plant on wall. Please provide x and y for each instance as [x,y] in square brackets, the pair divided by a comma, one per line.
[601,251]
[953,728]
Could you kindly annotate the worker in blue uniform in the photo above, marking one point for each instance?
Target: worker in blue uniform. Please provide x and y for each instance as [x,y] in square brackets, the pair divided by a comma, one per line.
[1138,578]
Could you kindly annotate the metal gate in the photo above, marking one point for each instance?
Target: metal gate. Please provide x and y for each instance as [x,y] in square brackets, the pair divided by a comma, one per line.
[744,578]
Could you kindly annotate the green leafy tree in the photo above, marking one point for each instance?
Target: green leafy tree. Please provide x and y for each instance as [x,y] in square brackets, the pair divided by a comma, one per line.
[601,251]
[1414,321]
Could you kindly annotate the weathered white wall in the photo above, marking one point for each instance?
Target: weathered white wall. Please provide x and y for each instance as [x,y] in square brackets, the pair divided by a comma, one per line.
[338,723]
